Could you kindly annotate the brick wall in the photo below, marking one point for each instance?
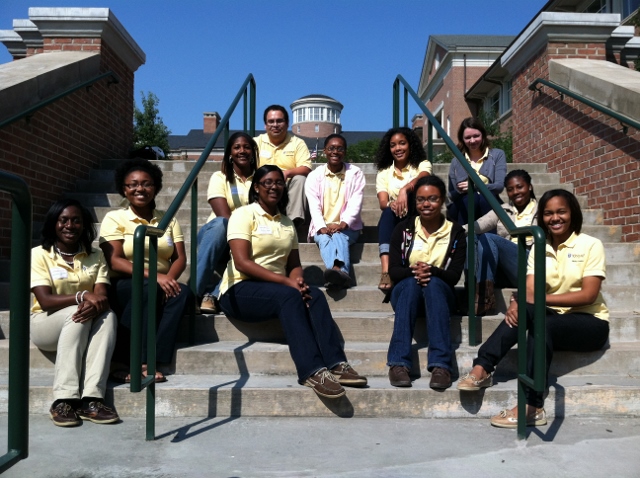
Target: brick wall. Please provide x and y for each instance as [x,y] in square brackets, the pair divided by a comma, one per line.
[64,140]
[586,147]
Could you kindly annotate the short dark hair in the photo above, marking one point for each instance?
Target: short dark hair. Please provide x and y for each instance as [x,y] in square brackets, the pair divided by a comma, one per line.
[226,166]
[473,123]
[431,181]
[574,207]
[276,108]
[257,177]
[335,135]
[384,158]
[524,175]
[48,233]
[138,164]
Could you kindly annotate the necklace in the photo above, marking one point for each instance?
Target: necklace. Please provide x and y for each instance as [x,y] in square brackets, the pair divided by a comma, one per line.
[68,254]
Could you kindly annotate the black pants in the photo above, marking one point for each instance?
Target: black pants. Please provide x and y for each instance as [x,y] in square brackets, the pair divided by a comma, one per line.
[168,316]
[576,332]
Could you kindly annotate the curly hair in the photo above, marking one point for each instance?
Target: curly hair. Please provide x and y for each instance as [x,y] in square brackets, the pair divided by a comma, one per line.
[384,158]
[522,174]
[227,162]
[473,123]
[49,236]
[572,202]
[138,164]
[257,177]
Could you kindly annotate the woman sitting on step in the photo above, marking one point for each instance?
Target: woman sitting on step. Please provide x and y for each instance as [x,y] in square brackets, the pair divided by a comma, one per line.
[401,161]
[334,194]
[71,315]
[139,182]
[497,254]
[228,190]
[489,163]
[263,280]
[577,318]
[425,263]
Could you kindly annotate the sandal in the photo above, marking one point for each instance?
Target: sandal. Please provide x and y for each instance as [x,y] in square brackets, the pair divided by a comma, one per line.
[160,378]
[120,376]
[385,282]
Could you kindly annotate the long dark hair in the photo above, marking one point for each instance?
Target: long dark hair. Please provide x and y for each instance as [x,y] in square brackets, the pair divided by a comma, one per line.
[49,236]
[574,207]
[227,162]
[257,177]
[384,158]
[473,123]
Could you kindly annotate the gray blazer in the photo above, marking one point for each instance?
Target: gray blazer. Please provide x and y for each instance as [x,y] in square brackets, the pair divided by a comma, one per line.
[493,167]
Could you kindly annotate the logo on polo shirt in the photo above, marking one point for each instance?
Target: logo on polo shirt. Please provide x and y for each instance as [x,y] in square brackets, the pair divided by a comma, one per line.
[576,257]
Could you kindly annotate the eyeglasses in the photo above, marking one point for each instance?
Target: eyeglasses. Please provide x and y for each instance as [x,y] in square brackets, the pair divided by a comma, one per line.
[275,121]
[335,149]
[430,199]
[269,183]
[146,186]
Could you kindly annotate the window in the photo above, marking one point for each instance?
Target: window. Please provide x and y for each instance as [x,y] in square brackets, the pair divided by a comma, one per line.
[494,103]
[317,128]
[440,117]
[314,113]
[506,96]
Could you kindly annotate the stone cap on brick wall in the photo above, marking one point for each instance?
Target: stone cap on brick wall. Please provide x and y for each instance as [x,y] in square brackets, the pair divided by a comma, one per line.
[89,23]
[601,81]
[29,32]
[14,43]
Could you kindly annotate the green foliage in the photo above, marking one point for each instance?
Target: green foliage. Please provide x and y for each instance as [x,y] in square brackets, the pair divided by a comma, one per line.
[499,139]
[148,128]
[363,151]
[445,157]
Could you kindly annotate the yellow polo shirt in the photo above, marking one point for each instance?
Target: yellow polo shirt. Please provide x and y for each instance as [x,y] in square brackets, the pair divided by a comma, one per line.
[236,194]
[289,154]
[333,198]
[525,218]
[388,180]
[478,164]
[121,224]
[579,256]
[272,238]
[49,269]
[432,249]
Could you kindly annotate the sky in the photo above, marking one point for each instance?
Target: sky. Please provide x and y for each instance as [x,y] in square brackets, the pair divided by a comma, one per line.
[199,52]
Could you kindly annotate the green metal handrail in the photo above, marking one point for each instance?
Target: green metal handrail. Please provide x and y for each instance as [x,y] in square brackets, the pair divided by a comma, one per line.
[29,112]
[538,381]
[21,224]
[142,231]
[625,121]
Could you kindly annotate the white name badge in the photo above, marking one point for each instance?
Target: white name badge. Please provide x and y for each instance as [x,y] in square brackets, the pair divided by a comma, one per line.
[265,154]
[262,229]
[418,245]
[169,241]
[58,273]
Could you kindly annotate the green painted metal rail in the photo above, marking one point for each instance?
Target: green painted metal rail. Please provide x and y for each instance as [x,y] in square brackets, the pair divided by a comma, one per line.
[248,93]
[113,78]
[21,224]
[625,121]
[537,382]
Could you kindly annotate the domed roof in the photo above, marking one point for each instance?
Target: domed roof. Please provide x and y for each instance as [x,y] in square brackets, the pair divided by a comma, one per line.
[325,97]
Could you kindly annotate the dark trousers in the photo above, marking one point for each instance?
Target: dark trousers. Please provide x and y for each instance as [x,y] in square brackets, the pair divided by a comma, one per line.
[458,210]
[575,332]
[387,223]
[312,335]
[168,316]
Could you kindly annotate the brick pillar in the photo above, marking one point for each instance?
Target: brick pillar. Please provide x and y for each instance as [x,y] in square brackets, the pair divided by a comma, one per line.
[211,122]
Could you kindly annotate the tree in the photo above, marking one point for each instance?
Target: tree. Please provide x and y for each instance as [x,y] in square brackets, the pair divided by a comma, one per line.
[148,128]
[363,151]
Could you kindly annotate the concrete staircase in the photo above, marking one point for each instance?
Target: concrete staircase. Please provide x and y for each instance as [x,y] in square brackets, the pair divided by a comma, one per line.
[244,369]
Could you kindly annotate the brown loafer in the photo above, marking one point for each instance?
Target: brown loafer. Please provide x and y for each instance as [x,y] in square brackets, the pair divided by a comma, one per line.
[440,378]
[347,375]
[399,376]
[325,384]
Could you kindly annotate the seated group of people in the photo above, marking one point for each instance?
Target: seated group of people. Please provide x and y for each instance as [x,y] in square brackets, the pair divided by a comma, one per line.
[253,245]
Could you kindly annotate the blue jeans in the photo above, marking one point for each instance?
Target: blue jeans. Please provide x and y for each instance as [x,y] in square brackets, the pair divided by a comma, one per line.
[387,223]
[213,254]
[496,257]
[575,332]
[406,298]
[313,337]
[458,210]
[336,248]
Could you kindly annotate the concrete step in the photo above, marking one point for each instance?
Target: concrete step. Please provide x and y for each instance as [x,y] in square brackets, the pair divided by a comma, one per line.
[282,396]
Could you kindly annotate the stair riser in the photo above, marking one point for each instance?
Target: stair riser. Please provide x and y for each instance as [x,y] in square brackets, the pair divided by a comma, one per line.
[221,400]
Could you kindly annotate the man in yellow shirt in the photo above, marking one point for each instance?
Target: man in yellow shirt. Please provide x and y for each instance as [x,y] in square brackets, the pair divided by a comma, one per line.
[279,147]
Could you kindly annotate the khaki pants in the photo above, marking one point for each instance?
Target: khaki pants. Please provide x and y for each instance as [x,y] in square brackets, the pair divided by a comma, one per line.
[297,199]
[83,351]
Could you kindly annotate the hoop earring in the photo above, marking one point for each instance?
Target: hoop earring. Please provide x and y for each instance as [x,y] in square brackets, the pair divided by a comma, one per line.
[230,160]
